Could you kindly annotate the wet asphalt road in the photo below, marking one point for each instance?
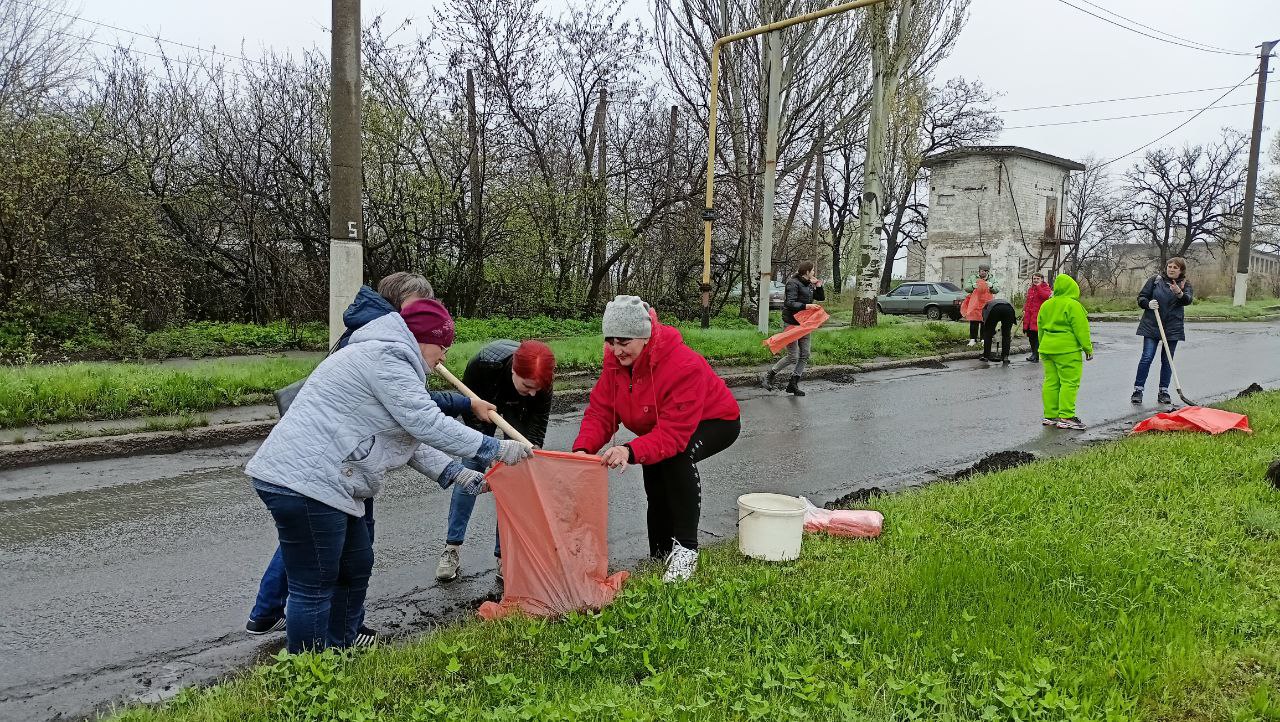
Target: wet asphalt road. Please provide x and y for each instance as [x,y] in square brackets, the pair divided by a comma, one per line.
[126,579]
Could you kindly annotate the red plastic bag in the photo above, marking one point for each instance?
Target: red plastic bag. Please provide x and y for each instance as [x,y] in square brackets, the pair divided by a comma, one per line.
[971,307]
[810,319]
[553,519]
[854,523]
[1195,418]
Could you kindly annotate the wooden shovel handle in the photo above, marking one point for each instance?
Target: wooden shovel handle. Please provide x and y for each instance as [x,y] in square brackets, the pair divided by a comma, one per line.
[497,420]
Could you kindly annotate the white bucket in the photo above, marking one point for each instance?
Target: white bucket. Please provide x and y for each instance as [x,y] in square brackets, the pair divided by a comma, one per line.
[770,526]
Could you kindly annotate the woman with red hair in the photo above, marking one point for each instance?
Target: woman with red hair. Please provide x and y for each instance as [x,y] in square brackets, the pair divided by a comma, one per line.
[517,378]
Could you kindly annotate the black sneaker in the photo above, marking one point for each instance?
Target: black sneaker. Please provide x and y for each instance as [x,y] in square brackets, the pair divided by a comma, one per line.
[366,637]
[1164,397]
[264,626]
[1136,398]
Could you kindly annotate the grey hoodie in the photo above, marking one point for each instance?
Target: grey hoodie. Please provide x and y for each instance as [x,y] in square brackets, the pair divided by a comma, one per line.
[364,410]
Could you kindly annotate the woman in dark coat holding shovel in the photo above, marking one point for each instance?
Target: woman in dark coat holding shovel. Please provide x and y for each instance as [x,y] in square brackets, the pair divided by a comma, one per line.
[1166,294]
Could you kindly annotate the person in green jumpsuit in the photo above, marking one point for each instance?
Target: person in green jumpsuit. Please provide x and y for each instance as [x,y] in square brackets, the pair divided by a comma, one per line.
[1064,333]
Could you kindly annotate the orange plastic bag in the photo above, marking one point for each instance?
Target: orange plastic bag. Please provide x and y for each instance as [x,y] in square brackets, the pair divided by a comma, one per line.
[810,319]
[971,307]
[854,523]
[1195,418]
[553,519]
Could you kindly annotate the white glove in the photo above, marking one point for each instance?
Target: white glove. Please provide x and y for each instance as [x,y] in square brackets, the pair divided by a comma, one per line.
[512,452]
[471,482]
[1153,304]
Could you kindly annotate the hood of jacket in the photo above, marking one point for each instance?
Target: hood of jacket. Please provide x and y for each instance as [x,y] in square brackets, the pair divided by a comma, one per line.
[1066,287]
[390,328]
[367,307]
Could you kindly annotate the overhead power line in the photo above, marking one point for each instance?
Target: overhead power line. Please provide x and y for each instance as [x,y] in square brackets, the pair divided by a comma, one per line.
[1158,31]
[137,33]
[118,46]
[1179,126]
[1117,100]
[1126,117]
[1153,37]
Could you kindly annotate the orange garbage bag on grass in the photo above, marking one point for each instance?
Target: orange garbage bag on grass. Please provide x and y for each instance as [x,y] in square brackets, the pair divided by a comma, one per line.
[1195,418]
[810,319]
[553,519]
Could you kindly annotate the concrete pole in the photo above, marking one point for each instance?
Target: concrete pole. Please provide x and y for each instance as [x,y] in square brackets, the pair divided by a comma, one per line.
[1251,180]
[819,168]
[346,222]
[774,40]
[870,211]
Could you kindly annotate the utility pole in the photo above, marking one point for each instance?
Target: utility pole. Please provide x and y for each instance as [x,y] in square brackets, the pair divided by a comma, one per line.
[473,166]
[346,222]
[870,210]
[774,39]
[1251,180]
[817,195]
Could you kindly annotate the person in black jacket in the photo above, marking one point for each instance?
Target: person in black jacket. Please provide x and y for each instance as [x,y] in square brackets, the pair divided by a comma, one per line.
[1166,294]
[517,379]
[802,290]
[1000,311]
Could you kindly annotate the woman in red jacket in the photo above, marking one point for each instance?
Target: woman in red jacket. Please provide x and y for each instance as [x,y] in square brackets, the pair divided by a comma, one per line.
[1036,296]
[681,412]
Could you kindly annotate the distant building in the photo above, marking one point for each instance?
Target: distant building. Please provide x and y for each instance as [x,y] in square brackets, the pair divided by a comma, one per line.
[1000,205]
[1210,266]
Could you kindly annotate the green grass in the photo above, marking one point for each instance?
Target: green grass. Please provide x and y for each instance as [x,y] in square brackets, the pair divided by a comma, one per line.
[1211,307]
[101,391]
[1134,580]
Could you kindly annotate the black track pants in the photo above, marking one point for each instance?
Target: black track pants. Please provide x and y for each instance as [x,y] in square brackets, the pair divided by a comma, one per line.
[674,488]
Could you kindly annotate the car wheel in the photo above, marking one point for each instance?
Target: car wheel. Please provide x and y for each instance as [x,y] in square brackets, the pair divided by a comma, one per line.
[933,313]
[955,316]
[879,309]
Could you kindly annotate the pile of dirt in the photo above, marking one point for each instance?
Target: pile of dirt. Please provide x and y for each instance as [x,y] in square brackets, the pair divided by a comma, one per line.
[1254,388]
[855,498]
[929,364]
[998,461]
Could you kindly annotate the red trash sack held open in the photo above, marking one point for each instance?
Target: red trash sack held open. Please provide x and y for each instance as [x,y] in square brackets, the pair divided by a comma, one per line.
[854,523]
[1195,418]
[810,319]
[971,307]
[553,519]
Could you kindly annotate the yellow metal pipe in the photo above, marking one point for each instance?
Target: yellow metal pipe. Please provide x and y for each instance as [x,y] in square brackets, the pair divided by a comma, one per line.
[708,214]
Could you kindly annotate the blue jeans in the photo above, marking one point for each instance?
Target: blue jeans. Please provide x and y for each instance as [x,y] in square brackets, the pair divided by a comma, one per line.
[1151,347]
[460,507]
[273,590]
[328,559]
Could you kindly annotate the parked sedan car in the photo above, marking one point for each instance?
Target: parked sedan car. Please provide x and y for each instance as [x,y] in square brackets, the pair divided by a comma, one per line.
[934,299]
[777,295]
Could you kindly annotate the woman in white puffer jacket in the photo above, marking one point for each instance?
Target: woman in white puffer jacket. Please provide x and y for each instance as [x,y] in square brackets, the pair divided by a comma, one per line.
[365,410]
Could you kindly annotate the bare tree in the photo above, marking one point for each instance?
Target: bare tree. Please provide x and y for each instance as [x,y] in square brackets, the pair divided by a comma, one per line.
[40,52]
[924,123]
[1175,198]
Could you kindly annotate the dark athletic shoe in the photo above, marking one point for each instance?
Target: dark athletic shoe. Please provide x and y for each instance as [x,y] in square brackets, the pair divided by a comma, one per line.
[1164,398]
[1137,397]
[1073,423]
[367,637]
[264,626]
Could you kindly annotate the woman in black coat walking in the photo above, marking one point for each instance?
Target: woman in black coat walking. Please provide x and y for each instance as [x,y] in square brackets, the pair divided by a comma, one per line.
[1166,294]
[802,290]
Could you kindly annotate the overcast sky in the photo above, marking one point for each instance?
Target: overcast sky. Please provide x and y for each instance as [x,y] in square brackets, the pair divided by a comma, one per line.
[1033,52]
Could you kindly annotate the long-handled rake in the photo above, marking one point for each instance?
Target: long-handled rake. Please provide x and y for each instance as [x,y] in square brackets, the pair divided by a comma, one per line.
[1164,342]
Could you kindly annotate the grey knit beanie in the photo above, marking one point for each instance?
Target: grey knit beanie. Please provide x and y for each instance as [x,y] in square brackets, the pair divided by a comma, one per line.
[627,317]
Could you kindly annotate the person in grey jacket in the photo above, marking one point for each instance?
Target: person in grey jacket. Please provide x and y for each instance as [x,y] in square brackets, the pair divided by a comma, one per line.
[364,410]
[802,290]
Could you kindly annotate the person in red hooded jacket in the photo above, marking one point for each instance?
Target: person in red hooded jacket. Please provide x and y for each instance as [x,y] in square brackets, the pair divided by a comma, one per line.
[680,410]
[1037,294]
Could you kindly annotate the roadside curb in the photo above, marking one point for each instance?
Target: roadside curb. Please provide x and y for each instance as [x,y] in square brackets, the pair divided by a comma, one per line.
[37,453]
[1119,318]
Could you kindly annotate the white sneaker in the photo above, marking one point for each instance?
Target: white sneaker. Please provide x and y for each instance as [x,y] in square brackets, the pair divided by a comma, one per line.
[973,342]
[681,564]
[447,569]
